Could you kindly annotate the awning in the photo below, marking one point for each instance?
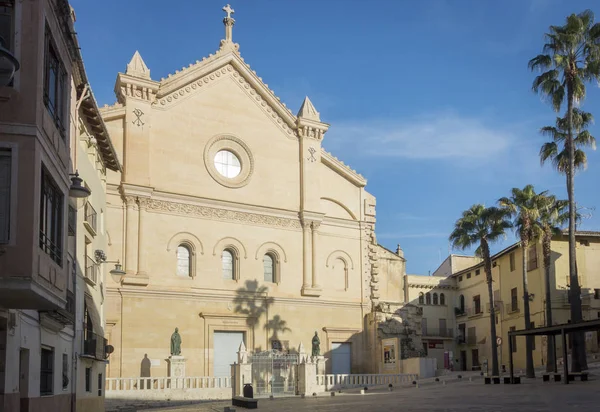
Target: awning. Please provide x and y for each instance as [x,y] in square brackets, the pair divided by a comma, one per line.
[94,315]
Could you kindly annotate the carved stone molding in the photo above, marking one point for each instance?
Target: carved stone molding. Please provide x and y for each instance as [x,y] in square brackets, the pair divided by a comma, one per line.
[206,212]
[226,71]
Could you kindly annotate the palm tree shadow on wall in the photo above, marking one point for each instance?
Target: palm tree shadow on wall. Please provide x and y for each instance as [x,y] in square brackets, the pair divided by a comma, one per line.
[253,301]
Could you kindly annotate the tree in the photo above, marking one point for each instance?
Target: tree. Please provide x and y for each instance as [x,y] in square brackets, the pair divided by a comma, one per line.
[553,216]
[570,59]
[482,226]
[524,206]
[559,156]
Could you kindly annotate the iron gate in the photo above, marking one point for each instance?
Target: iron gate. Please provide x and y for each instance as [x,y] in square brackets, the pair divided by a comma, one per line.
[274,373]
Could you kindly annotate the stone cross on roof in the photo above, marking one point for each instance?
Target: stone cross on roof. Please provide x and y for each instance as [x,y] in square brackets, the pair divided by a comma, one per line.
[227,9]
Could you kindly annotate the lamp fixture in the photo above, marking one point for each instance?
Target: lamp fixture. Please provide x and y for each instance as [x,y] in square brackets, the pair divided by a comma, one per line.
[77,190]
[117,273]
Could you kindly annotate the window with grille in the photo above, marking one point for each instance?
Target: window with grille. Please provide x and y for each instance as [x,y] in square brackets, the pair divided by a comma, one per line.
[55,93]
[47,371]
[88,379]
[65,371]
[7,26]
[514,300]
[477,303]
[51,218]
[5,188]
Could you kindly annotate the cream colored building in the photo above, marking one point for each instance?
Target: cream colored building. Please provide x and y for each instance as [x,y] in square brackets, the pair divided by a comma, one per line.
[93,154]
[233,224]
[473,302]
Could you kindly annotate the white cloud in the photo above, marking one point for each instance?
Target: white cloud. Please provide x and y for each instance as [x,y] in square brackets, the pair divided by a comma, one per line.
[444,136]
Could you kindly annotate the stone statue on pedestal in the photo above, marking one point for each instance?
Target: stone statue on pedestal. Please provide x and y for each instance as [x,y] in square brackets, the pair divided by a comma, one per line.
[316,345]
[176,343]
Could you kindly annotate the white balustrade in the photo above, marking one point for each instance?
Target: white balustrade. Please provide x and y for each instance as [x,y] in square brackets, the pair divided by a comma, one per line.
[342,381]
[164,383]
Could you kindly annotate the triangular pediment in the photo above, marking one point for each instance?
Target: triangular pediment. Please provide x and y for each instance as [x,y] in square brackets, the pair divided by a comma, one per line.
[137,67]
[215,68]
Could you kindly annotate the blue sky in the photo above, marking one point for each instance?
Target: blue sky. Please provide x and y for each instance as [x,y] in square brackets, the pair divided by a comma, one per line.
[431,101]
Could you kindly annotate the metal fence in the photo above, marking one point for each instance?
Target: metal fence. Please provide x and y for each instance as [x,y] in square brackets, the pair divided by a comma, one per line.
[274,373]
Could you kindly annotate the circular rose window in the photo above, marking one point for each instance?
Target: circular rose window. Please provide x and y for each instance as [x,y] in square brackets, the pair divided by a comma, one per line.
[228,160]
[227,164]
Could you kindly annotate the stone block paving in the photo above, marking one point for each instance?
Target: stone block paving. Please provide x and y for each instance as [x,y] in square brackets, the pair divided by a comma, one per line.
[459,396]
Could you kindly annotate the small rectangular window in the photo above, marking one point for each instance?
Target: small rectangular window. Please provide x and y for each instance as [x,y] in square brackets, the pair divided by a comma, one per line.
[596,293]
[47,371]
[514,300]
[460,278]
[532,261]
[469,275]
[477,272]
[477,303]
[99,384]
[5,188]
[88,379]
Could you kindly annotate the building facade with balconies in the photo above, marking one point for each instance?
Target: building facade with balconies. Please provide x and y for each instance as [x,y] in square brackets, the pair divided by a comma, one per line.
[473,306]
[38,263]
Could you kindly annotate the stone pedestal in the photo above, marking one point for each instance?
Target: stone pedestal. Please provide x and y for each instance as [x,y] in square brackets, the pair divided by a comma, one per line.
[307,379]
[176,366]
[241,372]
[320,362]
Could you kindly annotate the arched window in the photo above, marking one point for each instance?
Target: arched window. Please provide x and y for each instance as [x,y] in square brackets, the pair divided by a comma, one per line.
[228,264]
[428,298]
[461,303]
[421,298]
[435,298]
[269,268]
[442,299]
[184,260]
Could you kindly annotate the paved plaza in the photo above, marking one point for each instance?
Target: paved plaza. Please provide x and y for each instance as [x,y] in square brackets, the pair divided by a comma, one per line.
[455,396]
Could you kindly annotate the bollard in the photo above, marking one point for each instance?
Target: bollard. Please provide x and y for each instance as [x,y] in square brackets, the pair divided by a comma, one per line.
[362,391]
[332,393]
[470,379]
[271,397]
[417,385]
[444,383]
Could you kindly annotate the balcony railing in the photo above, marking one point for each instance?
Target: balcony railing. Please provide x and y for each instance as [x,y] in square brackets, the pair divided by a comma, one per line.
[444,333]
[94,345]
[497,305]
[475,311]
[91,270]
[459,312]
[90,217]
[512,307]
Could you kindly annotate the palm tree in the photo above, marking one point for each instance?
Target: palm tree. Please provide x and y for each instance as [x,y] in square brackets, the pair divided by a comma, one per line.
[524,206]
[553,216]
[482,226]
[551,151]
[570,59]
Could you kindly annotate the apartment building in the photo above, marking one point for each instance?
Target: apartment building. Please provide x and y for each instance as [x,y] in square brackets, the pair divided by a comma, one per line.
[41,111]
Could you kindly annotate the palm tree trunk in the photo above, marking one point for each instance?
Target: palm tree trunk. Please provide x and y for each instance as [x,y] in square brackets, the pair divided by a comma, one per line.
[578,352]
[529,370]
[488,275]
[550,347]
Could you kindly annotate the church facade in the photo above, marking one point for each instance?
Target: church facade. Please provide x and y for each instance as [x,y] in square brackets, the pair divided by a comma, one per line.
[234,224]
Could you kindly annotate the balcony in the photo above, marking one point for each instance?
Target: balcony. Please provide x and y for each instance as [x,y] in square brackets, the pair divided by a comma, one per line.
[90,220]
[91,271]
[438,333]
[476,311]
[512,307]
[458,312]
[497,307]
[94,345]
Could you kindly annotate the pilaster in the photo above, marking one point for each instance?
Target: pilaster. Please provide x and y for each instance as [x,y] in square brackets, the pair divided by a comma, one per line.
[310,224]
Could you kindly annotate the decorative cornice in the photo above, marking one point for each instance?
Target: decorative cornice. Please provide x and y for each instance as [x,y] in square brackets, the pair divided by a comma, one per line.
[206,212]
[342,169]
[427,286]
